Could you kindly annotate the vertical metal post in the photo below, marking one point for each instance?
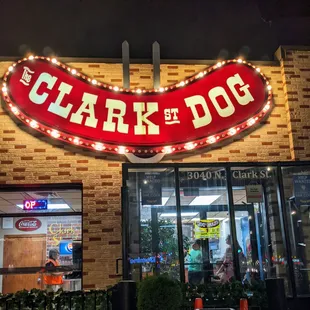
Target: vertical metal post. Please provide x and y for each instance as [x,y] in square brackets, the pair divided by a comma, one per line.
[285,231]
[126,63]
[156,64]
[233,224]
[125,228]
[179,224]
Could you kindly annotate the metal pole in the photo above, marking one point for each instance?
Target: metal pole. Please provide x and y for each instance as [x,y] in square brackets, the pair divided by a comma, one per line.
[156,64]
[232,224]
[125,233]
[126,63]
[285,232]
[179,224]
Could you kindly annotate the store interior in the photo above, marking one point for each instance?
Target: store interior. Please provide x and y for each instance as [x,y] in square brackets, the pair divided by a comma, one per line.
[27,236]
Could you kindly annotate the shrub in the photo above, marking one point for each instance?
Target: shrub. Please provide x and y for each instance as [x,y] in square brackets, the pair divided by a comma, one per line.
[159,292]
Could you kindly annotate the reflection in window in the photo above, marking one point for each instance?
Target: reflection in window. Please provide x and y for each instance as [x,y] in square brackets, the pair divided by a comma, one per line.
[258,226]
[296,183]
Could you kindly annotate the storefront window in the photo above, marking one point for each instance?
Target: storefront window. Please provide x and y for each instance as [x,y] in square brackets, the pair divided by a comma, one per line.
[153,238]
[261,251]
[205,225]
[195,216]
[40,234]
[296,184]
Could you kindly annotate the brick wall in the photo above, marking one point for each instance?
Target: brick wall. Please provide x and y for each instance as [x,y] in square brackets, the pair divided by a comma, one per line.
[29,159]
[295,70]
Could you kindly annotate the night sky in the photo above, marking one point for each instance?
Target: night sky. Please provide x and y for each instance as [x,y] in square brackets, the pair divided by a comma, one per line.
[188,29]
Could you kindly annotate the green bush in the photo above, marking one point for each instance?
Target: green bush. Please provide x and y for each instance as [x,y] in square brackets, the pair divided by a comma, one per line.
[41,300]
[159,293]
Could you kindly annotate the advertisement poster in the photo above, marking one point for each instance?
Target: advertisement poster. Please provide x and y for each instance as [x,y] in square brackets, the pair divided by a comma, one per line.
[302,189]
[205,229]
[151,189]
[254,193]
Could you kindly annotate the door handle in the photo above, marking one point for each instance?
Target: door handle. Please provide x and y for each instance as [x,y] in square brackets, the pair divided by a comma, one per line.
[116,266]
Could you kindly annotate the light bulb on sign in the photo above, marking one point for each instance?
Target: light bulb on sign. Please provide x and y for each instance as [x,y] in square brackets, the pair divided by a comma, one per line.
[116,88]
[211,140]
[232,131]
[73,71]
[94,82]
[251,122]
[33,124]
[55,134]
[4,89]
[76,141]
[189,146]
[98,146]
[121,150]
[269,87]
[31,57]
[167,150]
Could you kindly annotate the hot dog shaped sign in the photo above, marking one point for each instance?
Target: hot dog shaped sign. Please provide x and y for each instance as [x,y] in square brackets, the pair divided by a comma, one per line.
[213,105]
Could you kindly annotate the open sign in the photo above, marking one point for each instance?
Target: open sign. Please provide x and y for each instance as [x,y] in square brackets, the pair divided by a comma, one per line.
[40,204]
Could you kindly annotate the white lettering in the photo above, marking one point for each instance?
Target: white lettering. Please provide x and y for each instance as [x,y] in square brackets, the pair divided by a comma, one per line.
[88,106]
[217,92]
[236,80]
[43,78]
[55,107]
[109,125]
[140,129]
[198,121]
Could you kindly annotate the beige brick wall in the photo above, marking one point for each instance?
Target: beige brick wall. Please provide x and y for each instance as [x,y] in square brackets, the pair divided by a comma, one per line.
[26,159]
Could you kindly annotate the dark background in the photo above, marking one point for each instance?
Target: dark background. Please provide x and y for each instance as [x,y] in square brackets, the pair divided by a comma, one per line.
[188,29]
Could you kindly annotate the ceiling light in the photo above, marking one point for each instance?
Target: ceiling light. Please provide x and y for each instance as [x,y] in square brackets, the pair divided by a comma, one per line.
[204,200]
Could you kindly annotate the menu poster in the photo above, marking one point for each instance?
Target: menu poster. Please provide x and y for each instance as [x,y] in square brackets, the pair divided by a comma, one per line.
[302,190]
[151,188]
[205,229]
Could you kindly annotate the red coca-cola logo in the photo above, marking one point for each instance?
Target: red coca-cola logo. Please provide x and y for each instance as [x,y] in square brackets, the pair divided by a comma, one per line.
[213,105]
[28,224]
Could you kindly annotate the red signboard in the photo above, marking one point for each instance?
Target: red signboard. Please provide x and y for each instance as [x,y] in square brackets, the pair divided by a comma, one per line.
[213,105]
[28,224]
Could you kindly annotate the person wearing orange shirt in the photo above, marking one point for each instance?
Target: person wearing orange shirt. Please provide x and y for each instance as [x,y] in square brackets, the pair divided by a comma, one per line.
[53,280]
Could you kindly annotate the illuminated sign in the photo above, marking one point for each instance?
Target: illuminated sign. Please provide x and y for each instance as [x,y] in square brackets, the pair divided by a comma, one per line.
[213,105]
[40,204]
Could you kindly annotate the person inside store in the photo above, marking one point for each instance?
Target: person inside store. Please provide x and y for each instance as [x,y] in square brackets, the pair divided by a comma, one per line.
[195,274]
[53,280]
[225,272]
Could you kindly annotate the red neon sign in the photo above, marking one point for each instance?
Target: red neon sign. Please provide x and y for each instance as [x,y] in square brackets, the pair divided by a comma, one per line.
[211,106]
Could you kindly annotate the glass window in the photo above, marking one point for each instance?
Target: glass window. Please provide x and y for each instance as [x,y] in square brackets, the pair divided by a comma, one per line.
[153,238]
[36,240]
[205,225]
[261,250]
[296,183]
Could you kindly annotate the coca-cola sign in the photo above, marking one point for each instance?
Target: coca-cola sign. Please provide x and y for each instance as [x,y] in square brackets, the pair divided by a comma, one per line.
[28,224]
[213,105]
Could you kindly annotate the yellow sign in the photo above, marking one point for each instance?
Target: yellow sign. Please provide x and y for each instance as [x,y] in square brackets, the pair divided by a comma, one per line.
[58,232]
[205,229]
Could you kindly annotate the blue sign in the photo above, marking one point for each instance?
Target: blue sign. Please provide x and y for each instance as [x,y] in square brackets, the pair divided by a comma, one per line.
[65,247]
[30,205]
[145,260]
[302,189]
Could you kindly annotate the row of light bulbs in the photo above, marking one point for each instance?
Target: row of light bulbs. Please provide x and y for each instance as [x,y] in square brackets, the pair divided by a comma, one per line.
[98,146]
